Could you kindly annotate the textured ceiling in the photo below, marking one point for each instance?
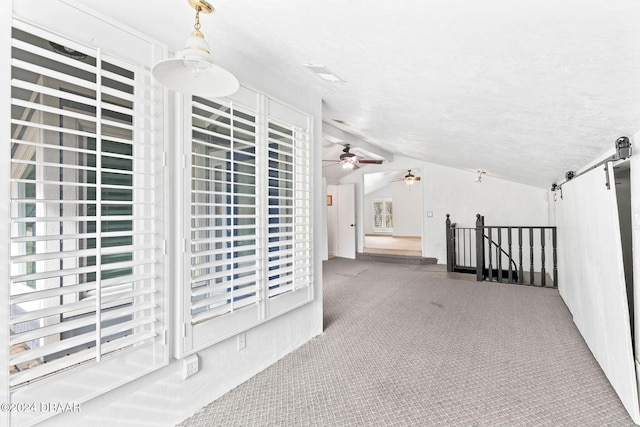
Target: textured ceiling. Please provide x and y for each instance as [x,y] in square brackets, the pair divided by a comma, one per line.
[524,90]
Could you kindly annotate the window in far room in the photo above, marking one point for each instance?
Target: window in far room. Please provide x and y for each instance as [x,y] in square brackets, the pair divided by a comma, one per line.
[383,215]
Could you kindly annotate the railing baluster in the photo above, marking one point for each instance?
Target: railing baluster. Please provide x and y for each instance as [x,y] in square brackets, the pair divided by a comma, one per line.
[490,265]
[464,248]
[509,260]
[499,254]
[467,245]
[471,241]
[455,245]
[531,280]
[543,272]
[520,269]
[555,257]
[470,248]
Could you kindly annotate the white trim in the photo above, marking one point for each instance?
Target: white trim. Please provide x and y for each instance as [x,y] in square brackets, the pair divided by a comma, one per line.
[5,191]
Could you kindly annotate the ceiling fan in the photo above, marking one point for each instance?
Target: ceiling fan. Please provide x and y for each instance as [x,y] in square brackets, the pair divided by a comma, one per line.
[409,178]
[348,160]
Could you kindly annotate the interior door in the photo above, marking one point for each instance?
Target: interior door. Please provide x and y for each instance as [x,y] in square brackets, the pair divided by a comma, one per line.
[346,221]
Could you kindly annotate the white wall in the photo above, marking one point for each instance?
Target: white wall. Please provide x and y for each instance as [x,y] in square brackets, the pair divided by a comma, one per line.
[407,209]
[448,190]
[163,398]
[332,221]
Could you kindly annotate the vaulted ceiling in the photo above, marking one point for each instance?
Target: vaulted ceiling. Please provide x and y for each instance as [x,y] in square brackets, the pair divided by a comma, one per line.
[525,90]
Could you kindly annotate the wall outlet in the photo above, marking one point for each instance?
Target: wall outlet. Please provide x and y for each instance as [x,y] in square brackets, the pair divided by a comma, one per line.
[190,366]
[242,341]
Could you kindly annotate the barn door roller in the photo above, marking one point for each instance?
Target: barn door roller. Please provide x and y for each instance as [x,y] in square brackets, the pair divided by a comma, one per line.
[623,151]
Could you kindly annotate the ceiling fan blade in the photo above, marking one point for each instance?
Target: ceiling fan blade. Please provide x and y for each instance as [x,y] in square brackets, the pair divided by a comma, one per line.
[370,162]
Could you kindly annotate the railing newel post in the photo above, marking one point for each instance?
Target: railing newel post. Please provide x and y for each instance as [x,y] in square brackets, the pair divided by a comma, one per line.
[510,258]
[480,248]
[450,250]
[543,271]
[499,254]
[554,237]
[489,238]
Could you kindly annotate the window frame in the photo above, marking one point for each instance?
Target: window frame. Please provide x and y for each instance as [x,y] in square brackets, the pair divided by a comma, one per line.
[194,338]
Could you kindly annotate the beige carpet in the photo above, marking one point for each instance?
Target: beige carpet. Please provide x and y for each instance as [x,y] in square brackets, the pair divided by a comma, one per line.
[405,345]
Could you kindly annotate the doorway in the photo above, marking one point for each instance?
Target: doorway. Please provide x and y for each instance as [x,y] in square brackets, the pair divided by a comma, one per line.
[341,221]
[392,213]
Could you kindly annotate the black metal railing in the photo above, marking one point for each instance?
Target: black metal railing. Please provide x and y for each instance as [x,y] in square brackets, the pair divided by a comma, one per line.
[488,251]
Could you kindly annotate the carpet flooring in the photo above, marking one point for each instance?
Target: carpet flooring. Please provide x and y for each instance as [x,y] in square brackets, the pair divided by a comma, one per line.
[408,345]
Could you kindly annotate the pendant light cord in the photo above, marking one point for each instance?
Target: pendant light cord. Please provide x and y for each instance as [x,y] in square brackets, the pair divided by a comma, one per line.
[196,26]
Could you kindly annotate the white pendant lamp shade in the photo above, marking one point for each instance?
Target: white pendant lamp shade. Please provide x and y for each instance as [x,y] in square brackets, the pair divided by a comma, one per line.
[193,72]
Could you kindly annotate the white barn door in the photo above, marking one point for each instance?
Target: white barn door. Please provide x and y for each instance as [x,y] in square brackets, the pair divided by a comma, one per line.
[592,281]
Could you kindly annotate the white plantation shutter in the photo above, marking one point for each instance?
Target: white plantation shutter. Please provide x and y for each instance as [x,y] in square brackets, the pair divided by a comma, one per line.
[289,250]
[248,238]
[224,228]
[383,215]
[86,214]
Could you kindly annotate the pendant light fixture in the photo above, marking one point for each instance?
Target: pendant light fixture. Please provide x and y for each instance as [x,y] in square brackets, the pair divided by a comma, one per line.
[193,71]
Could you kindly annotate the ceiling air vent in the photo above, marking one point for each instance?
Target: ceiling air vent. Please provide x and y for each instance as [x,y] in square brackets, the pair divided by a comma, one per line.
[323,72]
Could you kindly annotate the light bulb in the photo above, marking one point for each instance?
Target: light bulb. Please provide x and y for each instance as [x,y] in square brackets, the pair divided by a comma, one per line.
[196,65]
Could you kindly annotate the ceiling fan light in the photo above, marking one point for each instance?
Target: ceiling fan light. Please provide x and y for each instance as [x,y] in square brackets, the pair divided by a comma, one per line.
[348,165]
[410,178]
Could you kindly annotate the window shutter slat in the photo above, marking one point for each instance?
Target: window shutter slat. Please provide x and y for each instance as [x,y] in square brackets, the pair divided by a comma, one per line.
[65,345]
[43,370]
